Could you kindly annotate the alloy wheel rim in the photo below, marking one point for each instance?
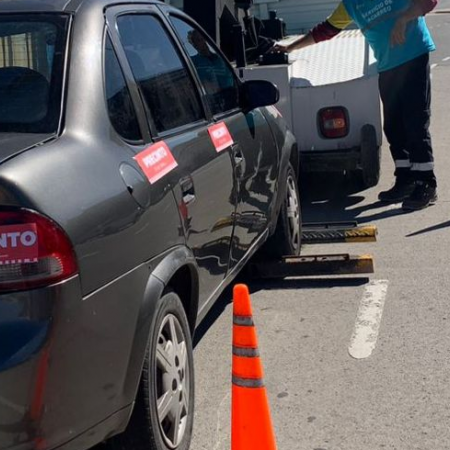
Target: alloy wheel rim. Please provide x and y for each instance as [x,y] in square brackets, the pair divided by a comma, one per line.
[172,381]
[293,212]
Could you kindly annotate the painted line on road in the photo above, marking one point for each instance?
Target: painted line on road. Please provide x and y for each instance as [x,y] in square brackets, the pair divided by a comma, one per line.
[433,66]
[368,320]
[446,59]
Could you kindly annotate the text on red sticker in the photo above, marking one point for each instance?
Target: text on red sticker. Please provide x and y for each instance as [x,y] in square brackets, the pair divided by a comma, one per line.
[156,161]
[220,136]
[18,244]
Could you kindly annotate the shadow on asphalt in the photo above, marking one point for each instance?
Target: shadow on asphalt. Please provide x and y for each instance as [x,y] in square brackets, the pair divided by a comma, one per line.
[335,198]
[437,227]
[215,312]
[375,216]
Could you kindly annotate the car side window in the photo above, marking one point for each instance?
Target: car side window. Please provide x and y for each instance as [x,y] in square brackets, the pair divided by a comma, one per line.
[120,106]
[163,78]
[215,73]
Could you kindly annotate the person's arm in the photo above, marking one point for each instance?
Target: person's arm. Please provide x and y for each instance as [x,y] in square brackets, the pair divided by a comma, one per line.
[323,31]
[418,8]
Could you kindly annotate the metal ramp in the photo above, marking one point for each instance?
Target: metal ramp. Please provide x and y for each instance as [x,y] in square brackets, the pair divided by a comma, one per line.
[338,232]
[313,265]
[322,265]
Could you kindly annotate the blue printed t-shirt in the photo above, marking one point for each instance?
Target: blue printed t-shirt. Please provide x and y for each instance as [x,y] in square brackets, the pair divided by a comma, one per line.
[376,19]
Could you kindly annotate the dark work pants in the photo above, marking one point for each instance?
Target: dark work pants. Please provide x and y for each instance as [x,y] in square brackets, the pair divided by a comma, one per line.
[406,95]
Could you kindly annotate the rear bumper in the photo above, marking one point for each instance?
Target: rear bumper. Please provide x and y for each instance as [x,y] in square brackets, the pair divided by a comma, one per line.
[70,365]
[26,337]
[331,160]
[16,392]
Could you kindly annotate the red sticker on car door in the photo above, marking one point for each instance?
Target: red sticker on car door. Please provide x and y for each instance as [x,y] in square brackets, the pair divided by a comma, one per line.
[156,161]
[18,244]
[220,136]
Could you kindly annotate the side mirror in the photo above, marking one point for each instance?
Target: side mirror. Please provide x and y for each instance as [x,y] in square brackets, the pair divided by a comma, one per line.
[258,93]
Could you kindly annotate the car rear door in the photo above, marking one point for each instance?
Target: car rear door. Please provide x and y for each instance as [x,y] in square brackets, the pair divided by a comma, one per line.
[255,155]
[201,178]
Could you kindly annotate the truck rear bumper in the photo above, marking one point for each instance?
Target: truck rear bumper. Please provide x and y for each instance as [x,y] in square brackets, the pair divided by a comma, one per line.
[331,160]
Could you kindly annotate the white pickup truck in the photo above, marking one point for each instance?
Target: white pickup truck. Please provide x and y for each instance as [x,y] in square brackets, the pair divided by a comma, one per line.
[329,93]
[329,97]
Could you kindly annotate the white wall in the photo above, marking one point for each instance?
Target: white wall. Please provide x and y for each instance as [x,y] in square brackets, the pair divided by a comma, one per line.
[299,15]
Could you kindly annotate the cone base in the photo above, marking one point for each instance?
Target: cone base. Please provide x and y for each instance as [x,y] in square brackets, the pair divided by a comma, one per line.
[251,423]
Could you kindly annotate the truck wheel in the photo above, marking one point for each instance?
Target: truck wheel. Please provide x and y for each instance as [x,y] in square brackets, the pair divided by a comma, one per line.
[286,240]
[370,157]
[163,415]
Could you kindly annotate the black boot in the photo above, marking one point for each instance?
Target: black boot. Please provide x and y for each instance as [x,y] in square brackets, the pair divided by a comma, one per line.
[401,190]
[424,194]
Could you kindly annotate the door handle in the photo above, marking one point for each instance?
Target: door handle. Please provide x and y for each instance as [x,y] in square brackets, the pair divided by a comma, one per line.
[187,190]
[237,154]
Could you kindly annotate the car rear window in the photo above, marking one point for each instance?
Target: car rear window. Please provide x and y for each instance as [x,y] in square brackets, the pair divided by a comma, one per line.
[32,49]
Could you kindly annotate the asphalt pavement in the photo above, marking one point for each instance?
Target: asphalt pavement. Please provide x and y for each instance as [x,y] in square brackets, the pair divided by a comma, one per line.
[328,391]
[443,5]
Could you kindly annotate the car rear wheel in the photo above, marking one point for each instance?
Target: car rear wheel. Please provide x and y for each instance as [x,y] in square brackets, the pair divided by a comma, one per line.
[370,157]
[288,234]
[163,415]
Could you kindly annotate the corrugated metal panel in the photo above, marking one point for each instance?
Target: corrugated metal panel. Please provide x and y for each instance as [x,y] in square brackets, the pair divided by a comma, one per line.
[344,58]
[299,15]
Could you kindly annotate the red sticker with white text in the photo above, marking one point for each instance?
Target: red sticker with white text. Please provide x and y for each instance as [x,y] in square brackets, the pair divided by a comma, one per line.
[18,244]
[156,161]
[220,136]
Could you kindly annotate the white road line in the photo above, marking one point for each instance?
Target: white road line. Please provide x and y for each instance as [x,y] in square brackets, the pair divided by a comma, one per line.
[433,66]
[446,59]
[220,426]
[368,320]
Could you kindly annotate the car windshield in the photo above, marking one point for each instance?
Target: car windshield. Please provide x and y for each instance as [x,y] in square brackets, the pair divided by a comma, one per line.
[32,49]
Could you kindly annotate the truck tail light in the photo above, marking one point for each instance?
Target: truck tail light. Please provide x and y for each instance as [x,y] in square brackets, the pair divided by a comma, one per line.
[333,122]
[34,251]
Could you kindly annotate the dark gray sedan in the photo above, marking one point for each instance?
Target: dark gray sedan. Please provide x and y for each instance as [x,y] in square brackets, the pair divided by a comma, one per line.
[138,175]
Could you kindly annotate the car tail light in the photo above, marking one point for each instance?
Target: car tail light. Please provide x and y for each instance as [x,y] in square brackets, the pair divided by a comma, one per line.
[333,122]
[34,251]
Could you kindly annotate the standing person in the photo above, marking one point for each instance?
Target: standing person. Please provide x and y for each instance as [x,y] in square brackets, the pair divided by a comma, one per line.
[397,32]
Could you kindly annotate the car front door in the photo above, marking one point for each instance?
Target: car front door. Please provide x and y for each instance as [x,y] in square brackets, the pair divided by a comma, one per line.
[255,155]
[202,179]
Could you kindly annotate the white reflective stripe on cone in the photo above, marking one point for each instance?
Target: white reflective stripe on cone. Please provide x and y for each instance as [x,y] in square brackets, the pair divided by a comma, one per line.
[423,167]
[403,164]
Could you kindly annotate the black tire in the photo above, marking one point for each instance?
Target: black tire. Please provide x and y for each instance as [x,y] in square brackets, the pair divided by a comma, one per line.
[286,240]
[146,431]
[370,157]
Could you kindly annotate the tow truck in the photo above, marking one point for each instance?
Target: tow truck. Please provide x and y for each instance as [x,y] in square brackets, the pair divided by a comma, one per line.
[328,92]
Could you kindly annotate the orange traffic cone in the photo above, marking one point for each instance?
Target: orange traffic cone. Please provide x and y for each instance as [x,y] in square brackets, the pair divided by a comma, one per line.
[251,425]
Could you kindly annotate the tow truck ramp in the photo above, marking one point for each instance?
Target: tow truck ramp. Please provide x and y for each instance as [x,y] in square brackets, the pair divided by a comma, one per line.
[326,264]
[338,232]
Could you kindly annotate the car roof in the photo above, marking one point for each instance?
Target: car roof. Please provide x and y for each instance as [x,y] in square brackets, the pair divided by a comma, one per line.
[58,5]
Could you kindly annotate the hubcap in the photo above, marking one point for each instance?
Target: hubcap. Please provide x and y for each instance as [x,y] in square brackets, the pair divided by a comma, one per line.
[172,381]
[293,212]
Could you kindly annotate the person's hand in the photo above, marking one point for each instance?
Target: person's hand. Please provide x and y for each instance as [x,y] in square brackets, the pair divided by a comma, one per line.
[277,48]
[398,34]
